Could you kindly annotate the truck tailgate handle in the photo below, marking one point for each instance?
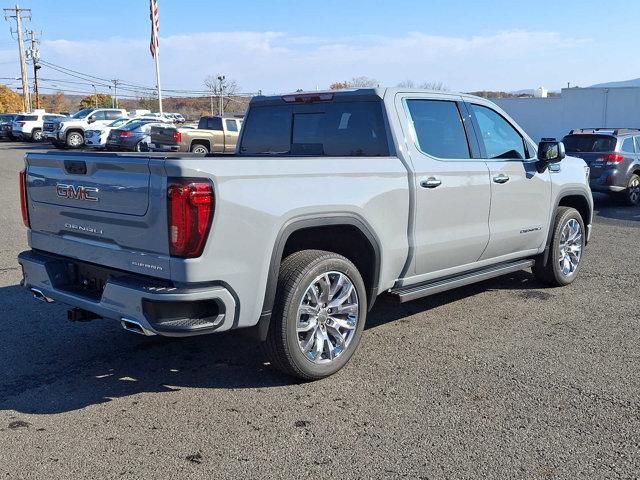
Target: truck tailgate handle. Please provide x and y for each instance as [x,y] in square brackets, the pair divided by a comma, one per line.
[75,167]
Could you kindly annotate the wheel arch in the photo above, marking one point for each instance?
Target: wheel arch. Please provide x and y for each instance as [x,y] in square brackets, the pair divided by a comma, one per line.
[344,234]
[200,141]
[574,199]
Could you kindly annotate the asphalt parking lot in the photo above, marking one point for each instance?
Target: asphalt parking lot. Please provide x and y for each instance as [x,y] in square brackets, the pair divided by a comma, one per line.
[505,379]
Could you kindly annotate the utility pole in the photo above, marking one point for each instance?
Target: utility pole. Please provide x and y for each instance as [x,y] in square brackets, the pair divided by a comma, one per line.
[95,97]
[114,102]
[19,14]
[34,54]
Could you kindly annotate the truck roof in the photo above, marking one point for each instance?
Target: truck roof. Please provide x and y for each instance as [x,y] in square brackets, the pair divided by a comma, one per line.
[349,94]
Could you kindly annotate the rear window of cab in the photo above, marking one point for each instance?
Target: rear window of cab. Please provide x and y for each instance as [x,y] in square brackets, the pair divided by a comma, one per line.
[335,129]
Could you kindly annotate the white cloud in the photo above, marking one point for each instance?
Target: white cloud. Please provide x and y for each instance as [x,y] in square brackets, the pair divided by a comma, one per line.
[275,62]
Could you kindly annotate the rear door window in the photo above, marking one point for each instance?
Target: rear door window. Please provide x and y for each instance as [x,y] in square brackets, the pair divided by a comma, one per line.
[501,140]
[439,129]
[232,126]
[628,146]
[113,114]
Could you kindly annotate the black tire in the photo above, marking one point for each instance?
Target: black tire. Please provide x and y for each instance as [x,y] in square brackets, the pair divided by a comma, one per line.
[36,135]
[631,195]
[297,273]
[551,272]
[71,140]
[199,149]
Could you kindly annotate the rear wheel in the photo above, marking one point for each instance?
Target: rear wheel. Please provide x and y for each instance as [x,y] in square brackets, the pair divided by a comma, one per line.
[631,196]
[199,149]
[74,140]
[318,316]
[565,250]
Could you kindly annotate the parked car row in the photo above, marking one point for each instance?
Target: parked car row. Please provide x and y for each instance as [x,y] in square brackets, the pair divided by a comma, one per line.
[88,127]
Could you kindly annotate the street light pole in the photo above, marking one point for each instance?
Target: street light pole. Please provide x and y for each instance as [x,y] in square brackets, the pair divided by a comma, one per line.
[221,79]
[95,97]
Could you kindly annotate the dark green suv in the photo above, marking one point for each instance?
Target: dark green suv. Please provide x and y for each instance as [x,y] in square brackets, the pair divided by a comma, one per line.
[613,154]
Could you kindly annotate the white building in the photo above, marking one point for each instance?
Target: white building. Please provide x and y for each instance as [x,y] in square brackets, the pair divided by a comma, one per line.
[575,108]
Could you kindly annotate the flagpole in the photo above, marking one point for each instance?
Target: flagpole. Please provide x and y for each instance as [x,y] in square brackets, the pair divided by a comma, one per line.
[156,57]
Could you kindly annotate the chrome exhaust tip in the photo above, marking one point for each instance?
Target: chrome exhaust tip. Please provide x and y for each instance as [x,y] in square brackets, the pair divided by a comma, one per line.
[134,326]
[39,295]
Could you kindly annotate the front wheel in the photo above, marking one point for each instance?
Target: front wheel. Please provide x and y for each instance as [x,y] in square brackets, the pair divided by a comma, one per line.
[318,316]
[74,140]
[566,249]
[36,136]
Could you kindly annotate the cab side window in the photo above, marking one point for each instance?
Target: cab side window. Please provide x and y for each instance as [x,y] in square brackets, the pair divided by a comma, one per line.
[439,129]
[501,140]
[98,116]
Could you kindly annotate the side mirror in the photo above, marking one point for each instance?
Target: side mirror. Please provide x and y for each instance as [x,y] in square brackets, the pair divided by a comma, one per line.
[91,120]
[550,151]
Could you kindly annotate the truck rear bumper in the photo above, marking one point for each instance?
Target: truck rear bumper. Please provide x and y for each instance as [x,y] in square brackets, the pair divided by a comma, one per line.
[156,306]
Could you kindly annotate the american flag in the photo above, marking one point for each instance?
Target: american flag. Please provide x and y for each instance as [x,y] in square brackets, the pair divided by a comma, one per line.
[155,27]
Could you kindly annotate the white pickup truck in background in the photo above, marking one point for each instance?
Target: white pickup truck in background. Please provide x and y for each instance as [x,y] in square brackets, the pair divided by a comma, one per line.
[69,132]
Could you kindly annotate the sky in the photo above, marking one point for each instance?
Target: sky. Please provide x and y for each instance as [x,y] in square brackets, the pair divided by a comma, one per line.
[283,45]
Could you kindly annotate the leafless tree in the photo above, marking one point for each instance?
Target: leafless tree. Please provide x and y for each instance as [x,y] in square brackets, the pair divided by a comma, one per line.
[437,86]
[356,82]
[220,86]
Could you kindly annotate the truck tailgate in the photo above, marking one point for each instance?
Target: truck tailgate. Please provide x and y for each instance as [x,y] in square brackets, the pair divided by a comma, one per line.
[163,135]
[104,209]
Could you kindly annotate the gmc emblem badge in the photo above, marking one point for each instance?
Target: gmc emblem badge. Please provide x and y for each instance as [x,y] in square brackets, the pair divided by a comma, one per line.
[77,192]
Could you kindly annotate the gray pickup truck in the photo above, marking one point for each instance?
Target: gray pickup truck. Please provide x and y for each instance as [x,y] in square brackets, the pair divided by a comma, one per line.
[332,199]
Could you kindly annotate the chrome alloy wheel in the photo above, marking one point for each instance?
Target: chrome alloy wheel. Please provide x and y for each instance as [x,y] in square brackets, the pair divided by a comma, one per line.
[327,317]
[634,191]
[570,247]
[75,139]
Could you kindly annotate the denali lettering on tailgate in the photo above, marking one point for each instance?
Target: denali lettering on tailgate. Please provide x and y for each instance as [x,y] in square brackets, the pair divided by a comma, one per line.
[83,228]
[77,192]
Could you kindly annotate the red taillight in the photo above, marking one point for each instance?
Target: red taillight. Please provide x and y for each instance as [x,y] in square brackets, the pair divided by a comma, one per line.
[23,198]
[125,134]
[177,137]
[190,207]
[612,158]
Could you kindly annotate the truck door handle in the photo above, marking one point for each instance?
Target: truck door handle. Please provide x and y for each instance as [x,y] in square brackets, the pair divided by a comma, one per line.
[502,178]
[431,182]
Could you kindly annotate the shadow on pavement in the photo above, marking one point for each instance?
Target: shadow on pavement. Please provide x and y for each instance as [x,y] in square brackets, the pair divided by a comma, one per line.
[50,365]
[607,207]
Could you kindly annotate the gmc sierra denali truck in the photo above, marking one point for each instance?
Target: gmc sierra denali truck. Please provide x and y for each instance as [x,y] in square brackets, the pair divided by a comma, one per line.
[331,199]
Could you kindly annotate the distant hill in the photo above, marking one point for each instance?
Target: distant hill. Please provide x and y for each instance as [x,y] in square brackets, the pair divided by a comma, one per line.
[624,83]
